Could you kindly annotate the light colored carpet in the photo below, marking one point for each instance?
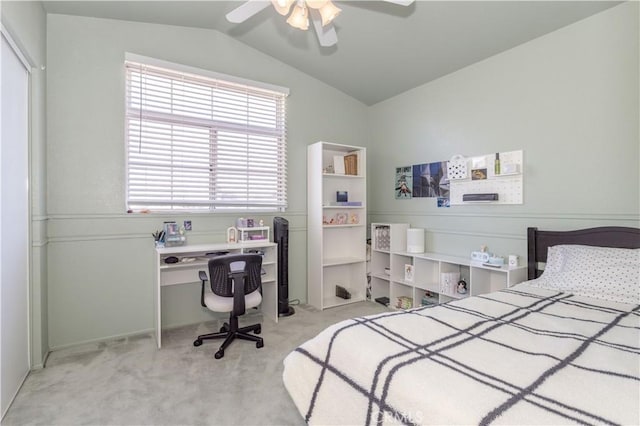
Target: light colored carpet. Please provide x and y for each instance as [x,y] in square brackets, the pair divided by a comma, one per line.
[130,382]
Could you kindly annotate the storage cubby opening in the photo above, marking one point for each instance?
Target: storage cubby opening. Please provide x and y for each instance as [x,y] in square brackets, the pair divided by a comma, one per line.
[402,292]
[380,261]
[398,263]
[340,242]
[379,288]
[426,274]
[351,277]
[486,281]
[425,298]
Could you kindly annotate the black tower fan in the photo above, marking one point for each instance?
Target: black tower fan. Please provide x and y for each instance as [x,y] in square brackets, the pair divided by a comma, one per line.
[281,237]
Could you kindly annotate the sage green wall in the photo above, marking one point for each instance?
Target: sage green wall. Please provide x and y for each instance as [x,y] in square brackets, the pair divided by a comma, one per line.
[26,22]
[569,99]
[100,258]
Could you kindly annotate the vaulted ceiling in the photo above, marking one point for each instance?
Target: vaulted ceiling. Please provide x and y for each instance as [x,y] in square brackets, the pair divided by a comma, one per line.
[383,49]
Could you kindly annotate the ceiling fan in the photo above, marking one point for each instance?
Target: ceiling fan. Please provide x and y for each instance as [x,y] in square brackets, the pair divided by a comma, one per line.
[321,12]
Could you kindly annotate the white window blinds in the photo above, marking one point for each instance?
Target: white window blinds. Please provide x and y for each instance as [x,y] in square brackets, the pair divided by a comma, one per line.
[200,143]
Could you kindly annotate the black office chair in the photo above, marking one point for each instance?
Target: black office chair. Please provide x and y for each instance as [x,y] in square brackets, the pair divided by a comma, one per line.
[235,287]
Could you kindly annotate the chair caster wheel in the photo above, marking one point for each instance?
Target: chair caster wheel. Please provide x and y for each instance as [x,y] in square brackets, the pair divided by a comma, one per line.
[224,328]
[258,330]
[197,342]
[259,344]
[219,354]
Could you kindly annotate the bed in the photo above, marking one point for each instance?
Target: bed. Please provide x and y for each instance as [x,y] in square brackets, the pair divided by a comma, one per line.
[561,348]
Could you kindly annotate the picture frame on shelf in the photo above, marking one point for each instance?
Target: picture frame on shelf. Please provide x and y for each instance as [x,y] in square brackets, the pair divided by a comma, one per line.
[408,273]
[479,174]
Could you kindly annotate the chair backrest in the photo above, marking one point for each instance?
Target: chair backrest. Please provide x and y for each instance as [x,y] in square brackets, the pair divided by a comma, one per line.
[222,267]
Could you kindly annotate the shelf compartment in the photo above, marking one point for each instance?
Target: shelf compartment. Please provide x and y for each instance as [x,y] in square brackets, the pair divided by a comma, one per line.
[379,287]
[463,274]
[426,275]
[397,290]
[379,261]
[419,296]
[398,263]
[352,277]
[354,188]
[340,241]
[487,280]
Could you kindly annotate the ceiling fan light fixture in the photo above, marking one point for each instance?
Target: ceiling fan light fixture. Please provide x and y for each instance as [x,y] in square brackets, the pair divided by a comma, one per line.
[299,18]
[282,6]
[328,12]
[316,4]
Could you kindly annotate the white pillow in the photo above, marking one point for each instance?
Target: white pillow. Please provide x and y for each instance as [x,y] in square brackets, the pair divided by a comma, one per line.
[600,272]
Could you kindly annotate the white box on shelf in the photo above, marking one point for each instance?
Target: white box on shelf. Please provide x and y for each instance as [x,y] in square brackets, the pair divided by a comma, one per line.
[449,282]
[256,233]
[338,164]
[415,240]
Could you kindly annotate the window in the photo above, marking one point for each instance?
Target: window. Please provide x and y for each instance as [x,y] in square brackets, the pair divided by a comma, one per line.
[199,141]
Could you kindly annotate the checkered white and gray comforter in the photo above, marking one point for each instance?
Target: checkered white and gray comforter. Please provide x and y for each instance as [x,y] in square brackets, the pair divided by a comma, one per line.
[523,355]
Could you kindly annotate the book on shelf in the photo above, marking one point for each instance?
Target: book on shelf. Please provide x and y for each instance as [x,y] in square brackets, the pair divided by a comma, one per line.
[404,302]
[351,164]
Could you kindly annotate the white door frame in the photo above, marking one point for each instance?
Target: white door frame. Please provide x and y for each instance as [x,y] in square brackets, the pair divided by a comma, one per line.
[28,65]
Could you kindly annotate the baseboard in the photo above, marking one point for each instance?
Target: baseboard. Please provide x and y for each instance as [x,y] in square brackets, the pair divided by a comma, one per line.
[102,339]
[14,396]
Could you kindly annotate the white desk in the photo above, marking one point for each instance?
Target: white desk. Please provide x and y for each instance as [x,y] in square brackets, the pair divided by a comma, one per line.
[187,272]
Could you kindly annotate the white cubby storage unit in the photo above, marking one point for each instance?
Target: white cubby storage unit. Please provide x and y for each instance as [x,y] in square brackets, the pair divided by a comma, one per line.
[388,250]
[427,277]
[336,232]
[385,239]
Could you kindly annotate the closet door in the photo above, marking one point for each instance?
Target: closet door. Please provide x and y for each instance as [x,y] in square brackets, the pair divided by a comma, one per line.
[14,223]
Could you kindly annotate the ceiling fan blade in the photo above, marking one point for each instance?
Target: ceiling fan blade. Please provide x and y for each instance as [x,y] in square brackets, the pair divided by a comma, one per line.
[246,10]
[327,35]
[400,2]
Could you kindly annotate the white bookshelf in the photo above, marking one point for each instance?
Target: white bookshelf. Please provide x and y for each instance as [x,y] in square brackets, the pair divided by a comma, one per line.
[336,234]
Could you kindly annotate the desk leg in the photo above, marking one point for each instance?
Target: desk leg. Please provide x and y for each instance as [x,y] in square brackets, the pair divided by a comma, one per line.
[157,303]
[270,301]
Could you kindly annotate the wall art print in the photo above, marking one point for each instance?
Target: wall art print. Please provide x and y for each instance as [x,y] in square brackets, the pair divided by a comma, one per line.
[403,183]
[430,180]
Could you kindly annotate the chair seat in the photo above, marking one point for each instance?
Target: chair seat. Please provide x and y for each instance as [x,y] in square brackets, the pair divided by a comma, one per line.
[225,304]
